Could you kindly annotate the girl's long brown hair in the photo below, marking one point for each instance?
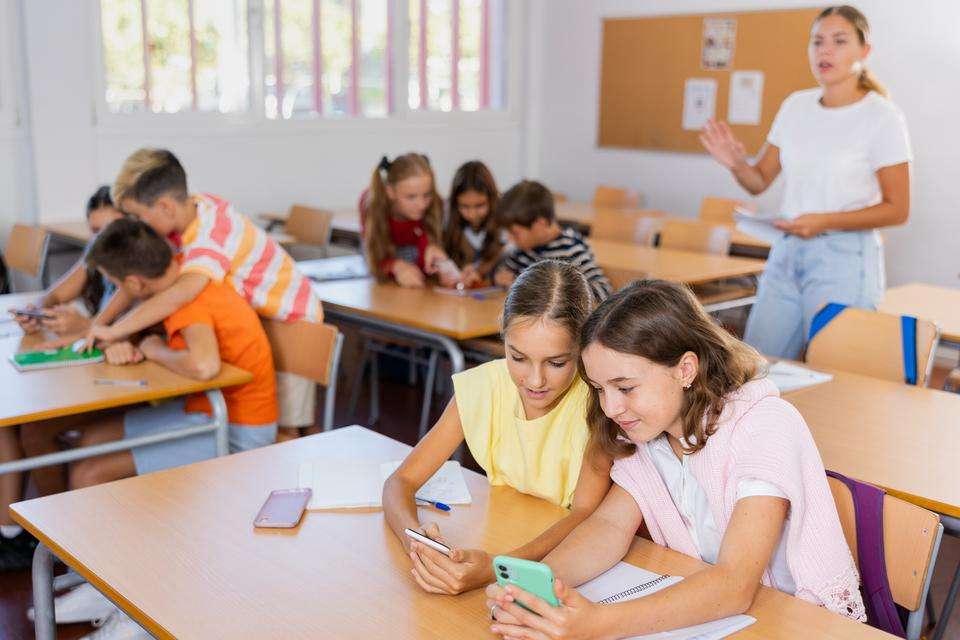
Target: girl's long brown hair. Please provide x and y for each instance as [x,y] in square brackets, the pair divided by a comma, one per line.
[867,81]
[472,176]
[376,236]
[661,321]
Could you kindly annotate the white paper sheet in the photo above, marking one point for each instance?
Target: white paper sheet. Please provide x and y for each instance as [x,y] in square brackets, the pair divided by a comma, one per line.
[699,102]
[758,225]
[746,97]
[631,582]
[790,377]
[340,484]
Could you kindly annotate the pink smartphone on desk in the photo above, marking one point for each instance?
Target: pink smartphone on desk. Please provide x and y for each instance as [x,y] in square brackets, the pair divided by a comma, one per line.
[283,508]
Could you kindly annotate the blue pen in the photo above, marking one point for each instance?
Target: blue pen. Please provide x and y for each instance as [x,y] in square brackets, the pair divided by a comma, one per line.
[438,505]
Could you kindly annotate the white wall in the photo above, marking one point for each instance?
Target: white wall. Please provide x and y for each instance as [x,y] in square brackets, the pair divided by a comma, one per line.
[916,53]
[16,180]
[263,166]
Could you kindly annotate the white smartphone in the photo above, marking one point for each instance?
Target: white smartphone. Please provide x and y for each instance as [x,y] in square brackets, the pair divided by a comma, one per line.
[433,544]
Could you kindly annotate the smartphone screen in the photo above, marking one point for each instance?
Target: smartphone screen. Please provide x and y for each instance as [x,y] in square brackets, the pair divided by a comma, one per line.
[283,508]
[422,539]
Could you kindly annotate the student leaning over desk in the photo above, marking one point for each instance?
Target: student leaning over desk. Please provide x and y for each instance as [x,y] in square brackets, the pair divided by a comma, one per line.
[523,419]
[845,155]
[709,457]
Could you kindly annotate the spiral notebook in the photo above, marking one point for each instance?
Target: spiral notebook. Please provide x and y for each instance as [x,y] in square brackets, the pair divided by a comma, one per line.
[628,582]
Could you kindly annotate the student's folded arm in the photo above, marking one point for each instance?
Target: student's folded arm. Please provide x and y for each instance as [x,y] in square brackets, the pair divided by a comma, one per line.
[427,457]
[592,487]
[724,589]
[159,307]
[200,360]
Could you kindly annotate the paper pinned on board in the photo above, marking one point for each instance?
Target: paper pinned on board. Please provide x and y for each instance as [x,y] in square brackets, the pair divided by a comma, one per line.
[699,102]
[719,42]
[625,581]
[746,97]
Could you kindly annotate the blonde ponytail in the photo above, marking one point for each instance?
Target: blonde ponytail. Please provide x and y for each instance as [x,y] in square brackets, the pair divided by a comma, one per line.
[868,82]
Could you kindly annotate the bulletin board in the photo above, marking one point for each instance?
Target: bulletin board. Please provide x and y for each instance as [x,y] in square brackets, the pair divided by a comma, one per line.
[646,63]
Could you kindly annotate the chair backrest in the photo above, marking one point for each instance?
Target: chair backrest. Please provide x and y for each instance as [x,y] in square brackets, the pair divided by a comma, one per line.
[307,349]
[623,225]
[873,343]
[615,197]
[26,250]
[720,210]
[309,225]
[699,237]
[909,541]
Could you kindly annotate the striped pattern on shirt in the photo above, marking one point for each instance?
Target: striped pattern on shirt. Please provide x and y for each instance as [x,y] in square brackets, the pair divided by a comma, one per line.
[223,244]
[569,246]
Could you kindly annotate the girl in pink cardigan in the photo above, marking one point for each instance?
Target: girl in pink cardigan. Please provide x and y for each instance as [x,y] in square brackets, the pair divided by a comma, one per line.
[710,458]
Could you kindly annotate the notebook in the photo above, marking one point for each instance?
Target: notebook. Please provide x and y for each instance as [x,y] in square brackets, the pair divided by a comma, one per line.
[50,359]
[758,225]
[627,582]
[790,377]
[339,484]
[338,268]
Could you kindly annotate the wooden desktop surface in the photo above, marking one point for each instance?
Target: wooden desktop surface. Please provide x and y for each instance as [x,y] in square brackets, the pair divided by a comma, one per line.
[51,393]
[668,264]
[584,213]
[460,318]
[177,550]
[901,437]
[929,302]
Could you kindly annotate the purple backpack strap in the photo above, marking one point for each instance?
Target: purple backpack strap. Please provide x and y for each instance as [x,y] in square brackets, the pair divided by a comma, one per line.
[882,612]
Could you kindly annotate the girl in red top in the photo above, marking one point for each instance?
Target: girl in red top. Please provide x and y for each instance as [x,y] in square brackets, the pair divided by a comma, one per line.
[401,215]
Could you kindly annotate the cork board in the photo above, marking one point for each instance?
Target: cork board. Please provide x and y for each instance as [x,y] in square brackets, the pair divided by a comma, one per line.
[646,61]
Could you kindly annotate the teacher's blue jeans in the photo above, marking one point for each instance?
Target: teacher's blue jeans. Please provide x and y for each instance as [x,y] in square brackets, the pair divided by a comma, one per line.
[803,275]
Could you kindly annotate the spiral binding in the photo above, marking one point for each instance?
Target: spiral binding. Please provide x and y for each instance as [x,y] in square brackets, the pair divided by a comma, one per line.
[634,590]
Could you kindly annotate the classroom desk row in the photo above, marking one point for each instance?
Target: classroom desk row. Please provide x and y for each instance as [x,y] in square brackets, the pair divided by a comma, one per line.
[339,574]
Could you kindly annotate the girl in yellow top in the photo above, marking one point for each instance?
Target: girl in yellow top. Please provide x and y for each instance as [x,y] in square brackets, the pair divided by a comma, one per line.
[524,420]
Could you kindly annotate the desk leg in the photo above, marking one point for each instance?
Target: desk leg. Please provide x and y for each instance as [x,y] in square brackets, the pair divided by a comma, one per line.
[220,420]
[951,526]
[44,622]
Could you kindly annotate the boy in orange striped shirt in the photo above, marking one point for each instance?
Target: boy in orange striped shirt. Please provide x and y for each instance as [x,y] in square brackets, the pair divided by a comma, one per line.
[217,244]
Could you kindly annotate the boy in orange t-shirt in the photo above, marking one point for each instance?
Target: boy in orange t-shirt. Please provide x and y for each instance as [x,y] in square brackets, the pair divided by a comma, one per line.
[215,327]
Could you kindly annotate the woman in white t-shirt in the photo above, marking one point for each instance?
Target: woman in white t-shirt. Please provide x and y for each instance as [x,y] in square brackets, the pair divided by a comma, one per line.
[844,151]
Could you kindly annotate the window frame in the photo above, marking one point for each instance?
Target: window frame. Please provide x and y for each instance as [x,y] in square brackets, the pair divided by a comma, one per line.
[254,119]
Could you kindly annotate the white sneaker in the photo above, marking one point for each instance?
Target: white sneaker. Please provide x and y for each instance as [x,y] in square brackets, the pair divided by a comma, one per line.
[81,604]
[119,627]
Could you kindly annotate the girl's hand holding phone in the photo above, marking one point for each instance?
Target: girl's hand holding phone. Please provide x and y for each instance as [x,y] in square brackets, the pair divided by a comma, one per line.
[463,570]
[66,320]
[575,619]
[29,324]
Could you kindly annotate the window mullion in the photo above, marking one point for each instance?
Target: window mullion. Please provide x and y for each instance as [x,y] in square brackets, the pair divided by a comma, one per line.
[278,53]
[146,54]
[422,62]
[484,54]
[256,55]
[354,57]
[193,54]
[454,55]
[317,60]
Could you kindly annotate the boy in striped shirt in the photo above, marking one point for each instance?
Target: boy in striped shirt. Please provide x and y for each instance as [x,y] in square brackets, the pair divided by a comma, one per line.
[526,213]
[217,244]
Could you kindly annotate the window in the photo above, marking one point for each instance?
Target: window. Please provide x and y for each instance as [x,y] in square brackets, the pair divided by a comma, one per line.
[326,57]
[170,56]
[455,61]
[292,59]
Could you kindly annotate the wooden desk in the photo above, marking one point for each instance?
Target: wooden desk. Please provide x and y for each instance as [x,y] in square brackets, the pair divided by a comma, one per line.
[927,301]
[583,214]
[668,264]
[73,232]
[901,437]
[341,574]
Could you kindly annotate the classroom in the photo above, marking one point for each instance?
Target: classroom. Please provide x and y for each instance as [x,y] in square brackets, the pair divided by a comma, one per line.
[519,319]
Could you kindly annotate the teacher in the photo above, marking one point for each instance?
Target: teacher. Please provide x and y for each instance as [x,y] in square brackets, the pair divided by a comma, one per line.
[845,154]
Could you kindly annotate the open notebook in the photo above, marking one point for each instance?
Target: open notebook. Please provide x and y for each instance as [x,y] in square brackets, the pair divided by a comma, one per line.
[68,356]
[339,484]
[790,377]
[628,582]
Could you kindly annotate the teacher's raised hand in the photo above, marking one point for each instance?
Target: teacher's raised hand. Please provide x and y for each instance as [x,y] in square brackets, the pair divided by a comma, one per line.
[718,139]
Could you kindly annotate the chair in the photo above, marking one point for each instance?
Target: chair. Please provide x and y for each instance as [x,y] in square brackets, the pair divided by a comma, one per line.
[719,210]
[698,237]
[616,198]
[26,252]
[639,227]
[911,542]
[873,343]
[311,350]
[952,382]
[306,226]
